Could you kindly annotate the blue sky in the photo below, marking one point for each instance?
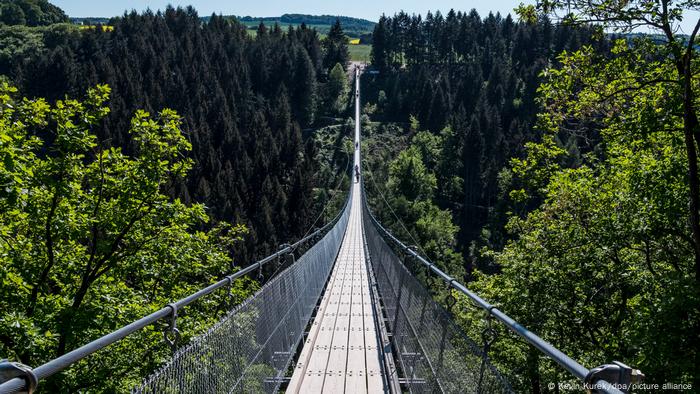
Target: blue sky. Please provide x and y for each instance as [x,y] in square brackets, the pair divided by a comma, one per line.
[367,9]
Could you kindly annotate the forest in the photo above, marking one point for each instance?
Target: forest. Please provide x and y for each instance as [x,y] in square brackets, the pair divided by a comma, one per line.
[546,159]
[30,13]
[543,162]
[147,161]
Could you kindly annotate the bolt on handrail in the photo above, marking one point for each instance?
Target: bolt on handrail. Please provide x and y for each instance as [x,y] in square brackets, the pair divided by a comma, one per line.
[18,384]
[576,369]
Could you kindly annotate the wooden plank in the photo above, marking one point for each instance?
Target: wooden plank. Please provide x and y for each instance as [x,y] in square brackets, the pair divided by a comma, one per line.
[341,354]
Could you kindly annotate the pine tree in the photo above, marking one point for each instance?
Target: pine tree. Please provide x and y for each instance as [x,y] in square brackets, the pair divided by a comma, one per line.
[335,47]
[379,45]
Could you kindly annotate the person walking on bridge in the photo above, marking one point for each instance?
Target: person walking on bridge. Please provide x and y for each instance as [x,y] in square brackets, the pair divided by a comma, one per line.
[357,173]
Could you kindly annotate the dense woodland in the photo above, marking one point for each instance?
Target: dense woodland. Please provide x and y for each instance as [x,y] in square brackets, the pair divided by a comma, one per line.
[30,13]
[472,83]
[549,164]
[245,103]
[552,166]
[111,202]
[353,27]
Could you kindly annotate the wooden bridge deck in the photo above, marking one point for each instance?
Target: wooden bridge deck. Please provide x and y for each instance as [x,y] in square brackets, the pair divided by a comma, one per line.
[341,352]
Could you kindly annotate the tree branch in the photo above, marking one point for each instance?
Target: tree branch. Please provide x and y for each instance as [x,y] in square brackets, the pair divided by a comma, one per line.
[49,254]
[96,212]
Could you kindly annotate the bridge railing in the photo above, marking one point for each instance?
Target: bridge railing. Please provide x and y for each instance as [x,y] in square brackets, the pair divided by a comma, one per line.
[248,350]
[432,351]
[430,347]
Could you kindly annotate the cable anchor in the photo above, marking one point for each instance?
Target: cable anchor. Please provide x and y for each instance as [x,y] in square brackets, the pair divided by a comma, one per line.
[450,300]
[172,335]
[10,370]
[488,336]
[617,373]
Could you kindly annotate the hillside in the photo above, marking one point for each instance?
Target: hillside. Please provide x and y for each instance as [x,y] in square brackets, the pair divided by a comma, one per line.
[359,31]
[353,27]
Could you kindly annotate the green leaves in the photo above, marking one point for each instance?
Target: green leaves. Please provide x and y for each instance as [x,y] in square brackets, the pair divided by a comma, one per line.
[603,267]
[410,192]
[541,162]
[90,239]
[408,176]
[337,89]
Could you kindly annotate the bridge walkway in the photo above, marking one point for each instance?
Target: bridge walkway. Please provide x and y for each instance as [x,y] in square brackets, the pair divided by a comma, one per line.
[341,352]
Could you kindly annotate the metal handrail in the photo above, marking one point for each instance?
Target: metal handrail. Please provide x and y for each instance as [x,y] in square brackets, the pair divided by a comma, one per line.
[543,346]
[58,364]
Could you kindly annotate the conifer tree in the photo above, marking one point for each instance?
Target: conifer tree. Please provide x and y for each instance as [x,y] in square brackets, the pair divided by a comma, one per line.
[335,47]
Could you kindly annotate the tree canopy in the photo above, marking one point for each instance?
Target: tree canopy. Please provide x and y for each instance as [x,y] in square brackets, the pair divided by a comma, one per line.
[569,167]
[90,240]
[30,13]
[244,103]
[107,212]
[335,47]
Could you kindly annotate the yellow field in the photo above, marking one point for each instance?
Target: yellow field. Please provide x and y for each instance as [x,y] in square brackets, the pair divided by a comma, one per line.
[354,41]
[92,27]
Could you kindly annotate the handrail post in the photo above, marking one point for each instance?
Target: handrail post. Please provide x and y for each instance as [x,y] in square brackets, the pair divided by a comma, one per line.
[172,329]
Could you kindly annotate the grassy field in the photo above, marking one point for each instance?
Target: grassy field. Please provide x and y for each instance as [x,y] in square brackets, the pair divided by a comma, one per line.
[360,53]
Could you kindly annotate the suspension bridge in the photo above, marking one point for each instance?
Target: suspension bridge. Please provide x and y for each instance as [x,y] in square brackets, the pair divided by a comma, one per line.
[346,316]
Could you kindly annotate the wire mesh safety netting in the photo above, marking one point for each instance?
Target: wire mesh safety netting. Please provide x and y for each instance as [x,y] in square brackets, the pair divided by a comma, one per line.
[433,352]
[250,349]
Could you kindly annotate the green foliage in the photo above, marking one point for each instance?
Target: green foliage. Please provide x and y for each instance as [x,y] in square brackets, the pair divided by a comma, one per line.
[337,89]
[430,147]
[526,12]
[354,27]
[334,161]
[19,42]
[415,123]
[244,106]
[591,237]
[90,239]
[12,14]
[604,267]
[409,178]
[472,81]
[541,162]
[30,13]
[410,190]
[335,47]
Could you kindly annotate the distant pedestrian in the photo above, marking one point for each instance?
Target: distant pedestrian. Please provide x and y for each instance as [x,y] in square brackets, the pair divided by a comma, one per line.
[357,173]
